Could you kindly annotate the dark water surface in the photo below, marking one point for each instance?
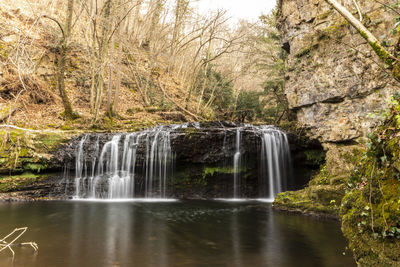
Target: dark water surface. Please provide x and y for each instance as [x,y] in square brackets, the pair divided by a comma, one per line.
[184,233]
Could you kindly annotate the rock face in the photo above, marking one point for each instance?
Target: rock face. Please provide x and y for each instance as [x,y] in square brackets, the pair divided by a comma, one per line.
[192,143]
[334,79]
[23,150]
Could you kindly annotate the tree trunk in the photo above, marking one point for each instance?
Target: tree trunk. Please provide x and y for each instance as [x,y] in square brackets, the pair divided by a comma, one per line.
[109,89]
[180,12]
[157,6]
[381,52]
[104,42]
[118,73]
[93,60]
[203,86]
[62,63]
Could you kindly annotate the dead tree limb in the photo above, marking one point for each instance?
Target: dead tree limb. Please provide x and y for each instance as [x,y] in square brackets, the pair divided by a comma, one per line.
[14,236]
[179,106]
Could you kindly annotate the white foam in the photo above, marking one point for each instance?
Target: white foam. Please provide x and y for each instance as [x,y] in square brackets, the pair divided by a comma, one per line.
[122,200]
[264,200]
[233,199]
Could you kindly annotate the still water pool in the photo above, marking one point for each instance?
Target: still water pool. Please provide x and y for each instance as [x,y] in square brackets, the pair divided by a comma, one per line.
[180,233]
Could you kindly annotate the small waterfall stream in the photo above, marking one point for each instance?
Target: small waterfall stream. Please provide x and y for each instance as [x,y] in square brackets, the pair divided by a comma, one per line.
[141,164]
[275,162]
[237,165]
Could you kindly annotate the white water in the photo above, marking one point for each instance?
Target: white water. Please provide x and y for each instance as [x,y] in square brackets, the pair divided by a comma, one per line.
[123,200]
[275,162]
[114,170]
[265,200]
[237,166]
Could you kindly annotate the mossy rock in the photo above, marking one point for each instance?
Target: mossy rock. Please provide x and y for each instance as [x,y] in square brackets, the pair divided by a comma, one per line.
[326,194]
[359,217]
[299,201]
[322,196]
[370,210]
[22,150]
[19,182]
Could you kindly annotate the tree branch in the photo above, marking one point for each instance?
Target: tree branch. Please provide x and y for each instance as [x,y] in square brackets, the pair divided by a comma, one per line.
[179,106]
[58,23]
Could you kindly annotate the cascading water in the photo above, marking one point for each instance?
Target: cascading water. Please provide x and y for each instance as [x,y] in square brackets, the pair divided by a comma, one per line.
[275,162]
[79,165]
[114,170]
[236,166]
[141,164]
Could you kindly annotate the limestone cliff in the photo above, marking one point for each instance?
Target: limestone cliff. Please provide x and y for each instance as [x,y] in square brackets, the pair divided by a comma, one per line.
[334,79]
[336,85]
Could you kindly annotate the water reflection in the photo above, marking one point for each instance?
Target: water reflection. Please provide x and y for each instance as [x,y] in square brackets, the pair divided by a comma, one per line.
[194,233]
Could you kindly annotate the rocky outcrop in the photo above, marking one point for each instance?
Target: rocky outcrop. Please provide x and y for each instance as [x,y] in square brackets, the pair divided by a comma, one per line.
[25,150]
[33,187]
[192,143]
[334,79]
[338,87]
[334,82]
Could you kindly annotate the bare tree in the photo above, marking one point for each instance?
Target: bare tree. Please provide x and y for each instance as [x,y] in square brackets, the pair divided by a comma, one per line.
[181,8]
[62,59]
[156,7]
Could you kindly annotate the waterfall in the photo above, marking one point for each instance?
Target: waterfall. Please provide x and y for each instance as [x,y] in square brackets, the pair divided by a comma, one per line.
[141,164]
[79,165]
[115,167]
[275,162]
[236,165]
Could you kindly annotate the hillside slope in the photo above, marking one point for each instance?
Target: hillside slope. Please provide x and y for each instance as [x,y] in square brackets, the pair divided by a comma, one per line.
[28,96]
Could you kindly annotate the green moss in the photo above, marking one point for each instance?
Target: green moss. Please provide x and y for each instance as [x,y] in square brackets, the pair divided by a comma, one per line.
[306,51]
[301,201]
[35,167]
[315,157]
[336,30]
[19,182]
[153,109]
[324,15]
[371,208]
[50,142]
[322,178]
[27,151]
[67,127]
[381,52]
[210,171]
[322,196]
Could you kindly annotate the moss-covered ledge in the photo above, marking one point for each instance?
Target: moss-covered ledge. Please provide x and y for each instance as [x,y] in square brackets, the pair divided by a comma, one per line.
[300,202]
[24,150]
[27,161]
[324,193]
[12,183]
